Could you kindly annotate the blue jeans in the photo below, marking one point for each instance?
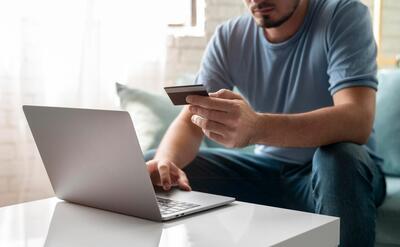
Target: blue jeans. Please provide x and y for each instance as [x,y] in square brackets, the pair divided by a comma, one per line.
[342,180]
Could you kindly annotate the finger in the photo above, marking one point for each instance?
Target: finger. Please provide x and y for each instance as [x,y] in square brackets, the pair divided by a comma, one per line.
[163,169]
[209,125]
[183,181]
[174,173]
[215,137]
[225,94]
[155,179]
[217,116]
[151,166]
[210,103]
[179,178]
[173,169]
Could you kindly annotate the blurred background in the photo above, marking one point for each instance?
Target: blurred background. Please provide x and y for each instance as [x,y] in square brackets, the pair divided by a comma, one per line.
[71,53]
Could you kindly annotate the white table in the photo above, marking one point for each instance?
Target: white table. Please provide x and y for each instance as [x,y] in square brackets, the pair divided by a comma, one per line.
[52,222]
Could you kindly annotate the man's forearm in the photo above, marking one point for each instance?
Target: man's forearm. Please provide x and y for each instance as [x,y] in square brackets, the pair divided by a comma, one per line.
[181,142]
[346,122]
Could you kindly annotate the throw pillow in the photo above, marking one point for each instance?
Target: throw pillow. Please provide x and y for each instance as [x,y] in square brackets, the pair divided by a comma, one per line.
[151,114]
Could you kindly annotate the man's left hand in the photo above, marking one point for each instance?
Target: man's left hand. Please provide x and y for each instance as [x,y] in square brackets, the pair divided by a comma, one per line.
[224,117]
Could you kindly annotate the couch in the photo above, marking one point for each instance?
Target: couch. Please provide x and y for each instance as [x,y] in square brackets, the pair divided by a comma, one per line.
[387,127]
[152,114]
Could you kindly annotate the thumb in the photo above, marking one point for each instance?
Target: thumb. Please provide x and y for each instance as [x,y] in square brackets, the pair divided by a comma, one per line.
[225,94]
[183,182]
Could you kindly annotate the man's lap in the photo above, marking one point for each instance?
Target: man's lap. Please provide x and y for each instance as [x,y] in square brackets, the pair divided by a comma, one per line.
[251,178]
[247,177]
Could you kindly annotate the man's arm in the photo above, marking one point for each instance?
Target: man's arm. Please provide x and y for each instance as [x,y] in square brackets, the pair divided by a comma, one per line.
[350,119]
[181,142]
[178,147]
[228,119]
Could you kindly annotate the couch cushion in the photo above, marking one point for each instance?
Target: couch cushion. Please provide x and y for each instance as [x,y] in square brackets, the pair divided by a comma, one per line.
[388,218]
[150,113]
[387,119]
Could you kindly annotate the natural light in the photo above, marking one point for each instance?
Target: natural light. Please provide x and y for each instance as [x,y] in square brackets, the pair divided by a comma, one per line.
[72,52]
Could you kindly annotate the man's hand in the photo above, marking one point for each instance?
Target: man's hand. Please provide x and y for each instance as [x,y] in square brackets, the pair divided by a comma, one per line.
[166,174]
[224,117]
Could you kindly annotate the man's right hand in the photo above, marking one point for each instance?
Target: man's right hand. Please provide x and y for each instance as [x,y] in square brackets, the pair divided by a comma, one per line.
[166,174]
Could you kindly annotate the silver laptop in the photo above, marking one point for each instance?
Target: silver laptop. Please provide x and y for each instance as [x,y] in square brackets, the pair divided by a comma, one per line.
[93,158]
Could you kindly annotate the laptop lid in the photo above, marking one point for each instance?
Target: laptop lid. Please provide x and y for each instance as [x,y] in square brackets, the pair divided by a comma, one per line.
[93,157]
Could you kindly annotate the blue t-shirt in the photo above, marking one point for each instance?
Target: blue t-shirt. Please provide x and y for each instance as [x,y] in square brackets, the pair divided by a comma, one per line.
[333,49]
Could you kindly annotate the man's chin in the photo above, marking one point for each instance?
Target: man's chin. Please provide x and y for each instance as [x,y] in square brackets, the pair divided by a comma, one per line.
[267,22]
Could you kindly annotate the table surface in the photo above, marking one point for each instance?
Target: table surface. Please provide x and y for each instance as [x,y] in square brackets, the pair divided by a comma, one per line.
[52,222]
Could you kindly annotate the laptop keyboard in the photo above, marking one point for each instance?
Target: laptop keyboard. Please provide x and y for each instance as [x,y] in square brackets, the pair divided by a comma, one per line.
[168,206]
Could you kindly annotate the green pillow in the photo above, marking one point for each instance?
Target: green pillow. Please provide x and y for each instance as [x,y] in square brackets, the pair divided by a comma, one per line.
[387,121]
[150,113]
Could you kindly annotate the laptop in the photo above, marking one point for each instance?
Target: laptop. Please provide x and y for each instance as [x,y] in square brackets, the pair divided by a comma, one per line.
[93,158]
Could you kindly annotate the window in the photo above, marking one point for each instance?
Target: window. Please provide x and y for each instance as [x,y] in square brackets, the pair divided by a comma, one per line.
[185,17]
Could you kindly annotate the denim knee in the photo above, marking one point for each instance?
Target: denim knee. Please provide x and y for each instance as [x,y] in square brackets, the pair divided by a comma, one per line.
[342,186]
[340,163]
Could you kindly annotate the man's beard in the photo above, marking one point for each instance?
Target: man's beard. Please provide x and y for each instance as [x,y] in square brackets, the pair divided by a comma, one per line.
[268,23]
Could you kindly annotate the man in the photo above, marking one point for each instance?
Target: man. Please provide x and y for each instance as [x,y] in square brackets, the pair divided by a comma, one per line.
[307,73]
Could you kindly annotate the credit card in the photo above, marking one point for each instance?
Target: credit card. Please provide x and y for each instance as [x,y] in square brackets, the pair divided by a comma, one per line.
[178,94]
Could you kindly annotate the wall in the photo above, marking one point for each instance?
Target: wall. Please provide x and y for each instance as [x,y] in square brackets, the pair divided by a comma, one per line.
[22,175]
[184,53]
[390,28]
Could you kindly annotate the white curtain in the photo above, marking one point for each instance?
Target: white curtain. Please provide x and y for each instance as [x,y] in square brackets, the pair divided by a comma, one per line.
[68,53]
[72,51]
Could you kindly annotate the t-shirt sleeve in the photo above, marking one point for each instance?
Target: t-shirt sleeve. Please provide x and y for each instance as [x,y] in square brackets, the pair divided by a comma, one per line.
[351,48]
[214,69]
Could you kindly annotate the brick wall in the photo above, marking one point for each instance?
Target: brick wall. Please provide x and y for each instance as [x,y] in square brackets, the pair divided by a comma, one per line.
[390,28]
[22,175]
[184,53]
[390,33]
